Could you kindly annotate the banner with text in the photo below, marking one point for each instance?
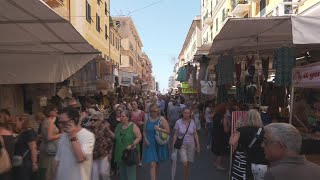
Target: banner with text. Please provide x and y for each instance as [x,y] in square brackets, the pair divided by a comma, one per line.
[306,76]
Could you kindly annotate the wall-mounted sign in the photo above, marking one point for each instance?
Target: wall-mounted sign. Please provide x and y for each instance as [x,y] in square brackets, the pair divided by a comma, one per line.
[188,91]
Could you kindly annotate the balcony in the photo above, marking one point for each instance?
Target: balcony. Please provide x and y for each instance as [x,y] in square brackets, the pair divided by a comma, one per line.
[207,20]
[54,3]
[240,8]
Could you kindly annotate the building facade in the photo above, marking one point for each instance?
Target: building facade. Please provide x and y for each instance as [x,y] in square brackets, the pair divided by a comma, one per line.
[131,45]
[215,13]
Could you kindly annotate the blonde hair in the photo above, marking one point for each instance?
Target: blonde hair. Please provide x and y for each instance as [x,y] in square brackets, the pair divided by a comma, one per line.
[253,119]
[27,122]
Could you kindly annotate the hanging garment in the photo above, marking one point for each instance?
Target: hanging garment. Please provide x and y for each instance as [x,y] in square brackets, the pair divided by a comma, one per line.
[250,61]
[243,69]
[225,69]
[238,71]
[204,63]
[265,67]
[240,96]
[182,74]
[194,77]
[283,62]
[250,93]
[222,94]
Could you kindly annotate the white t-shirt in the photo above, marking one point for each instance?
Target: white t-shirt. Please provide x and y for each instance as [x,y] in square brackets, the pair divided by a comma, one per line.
[69,168]
[207,113]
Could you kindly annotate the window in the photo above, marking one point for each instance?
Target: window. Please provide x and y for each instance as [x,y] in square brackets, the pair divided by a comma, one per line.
[111,37]
[224,16]
[98,2]
[118,23]
[88,12]
[105,31]
[131,61]
[217,25]
[211,32]
[97,22]
[106,8]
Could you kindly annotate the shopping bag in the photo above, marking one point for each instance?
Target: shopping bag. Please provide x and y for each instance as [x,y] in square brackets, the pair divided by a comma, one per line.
[208,87]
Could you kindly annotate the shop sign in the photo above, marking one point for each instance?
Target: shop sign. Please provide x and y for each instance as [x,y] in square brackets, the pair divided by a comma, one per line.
[184,85]
[306,76]
[188,91]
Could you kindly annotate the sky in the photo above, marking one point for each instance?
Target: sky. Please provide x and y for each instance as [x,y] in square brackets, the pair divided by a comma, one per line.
[162,26]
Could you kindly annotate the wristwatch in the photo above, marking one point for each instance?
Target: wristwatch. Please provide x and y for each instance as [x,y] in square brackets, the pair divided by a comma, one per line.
[73,139]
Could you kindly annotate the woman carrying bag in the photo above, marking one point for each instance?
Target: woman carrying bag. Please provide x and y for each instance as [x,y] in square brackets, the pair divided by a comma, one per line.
[155,151]
[25,155]
[127,136]
[186,140]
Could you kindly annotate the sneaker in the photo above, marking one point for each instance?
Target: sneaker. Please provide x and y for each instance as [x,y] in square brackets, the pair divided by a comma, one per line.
[139,164]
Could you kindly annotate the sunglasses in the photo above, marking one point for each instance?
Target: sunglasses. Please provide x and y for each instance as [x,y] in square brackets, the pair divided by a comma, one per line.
[94,120]
[64,122]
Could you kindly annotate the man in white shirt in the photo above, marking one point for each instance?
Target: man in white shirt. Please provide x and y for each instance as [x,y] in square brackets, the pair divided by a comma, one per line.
[75,148]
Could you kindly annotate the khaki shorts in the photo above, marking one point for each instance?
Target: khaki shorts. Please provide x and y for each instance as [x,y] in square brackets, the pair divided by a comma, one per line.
[187,153]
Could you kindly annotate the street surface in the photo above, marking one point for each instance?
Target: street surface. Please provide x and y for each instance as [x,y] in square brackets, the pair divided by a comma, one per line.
[201,169]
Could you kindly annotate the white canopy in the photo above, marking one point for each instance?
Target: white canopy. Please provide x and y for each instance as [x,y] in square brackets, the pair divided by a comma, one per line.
[37,45]
[262,33]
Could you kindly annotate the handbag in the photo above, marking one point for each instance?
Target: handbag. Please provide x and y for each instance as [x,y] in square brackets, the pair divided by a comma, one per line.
[17,160]
[161,137]
[51,147]
[5,164]
[179,141]
[130,157]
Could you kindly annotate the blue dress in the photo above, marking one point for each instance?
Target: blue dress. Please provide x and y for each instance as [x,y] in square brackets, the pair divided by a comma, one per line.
[155,152]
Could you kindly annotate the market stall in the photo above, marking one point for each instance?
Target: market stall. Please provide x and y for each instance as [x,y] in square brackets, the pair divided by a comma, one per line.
[305,105]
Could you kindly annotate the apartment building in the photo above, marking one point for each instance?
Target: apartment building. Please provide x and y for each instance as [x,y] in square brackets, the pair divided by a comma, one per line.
[171,82]
[131,45]
[115,45]
[215,13]
[191,43]
[146,72]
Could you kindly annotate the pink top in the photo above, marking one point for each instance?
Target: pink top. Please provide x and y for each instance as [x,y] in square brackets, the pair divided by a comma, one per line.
[139,118]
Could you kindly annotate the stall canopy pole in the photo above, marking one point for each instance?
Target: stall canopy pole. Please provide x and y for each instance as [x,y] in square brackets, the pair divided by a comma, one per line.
[291,104]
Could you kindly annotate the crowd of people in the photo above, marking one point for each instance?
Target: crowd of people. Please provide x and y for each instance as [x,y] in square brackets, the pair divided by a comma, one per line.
[84,142]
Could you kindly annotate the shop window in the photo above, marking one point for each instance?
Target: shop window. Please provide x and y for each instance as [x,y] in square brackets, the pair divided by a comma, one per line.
[88,12]
[98,22]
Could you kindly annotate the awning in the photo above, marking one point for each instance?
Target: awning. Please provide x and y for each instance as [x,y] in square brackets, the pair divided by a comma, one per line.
[248,34]
[37,45]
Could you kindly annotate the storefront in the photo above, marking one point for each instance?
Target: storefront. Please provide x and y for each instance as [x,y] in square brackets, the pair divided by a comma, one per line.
[39,51]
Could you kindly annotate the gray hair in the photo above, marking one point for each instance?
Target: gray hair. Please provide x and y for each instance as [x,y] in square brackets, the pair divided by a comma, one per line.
[253,119]
[286,134]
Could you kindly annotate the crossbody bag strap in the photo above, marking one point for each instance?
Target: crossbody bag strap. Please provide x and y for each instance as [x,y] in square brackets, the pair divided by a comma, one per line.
[186,130]
[255,138]
[24,155]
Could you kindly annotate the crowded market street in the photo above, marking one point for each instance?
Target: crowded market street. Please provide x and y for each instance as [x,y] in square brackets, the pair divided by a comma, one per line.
[159,90]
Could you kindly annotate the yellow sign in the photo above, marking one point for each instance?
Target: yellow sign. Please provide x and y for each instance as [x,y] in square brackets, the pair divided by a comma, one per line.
[184,85]
[188,91]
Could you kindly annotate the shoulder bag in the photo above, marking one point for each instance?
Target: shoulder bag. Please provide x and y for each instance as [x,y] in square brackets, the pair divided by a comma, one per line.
[17,160]
[5,164]
[130,156]
[179,141]
[161,137]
